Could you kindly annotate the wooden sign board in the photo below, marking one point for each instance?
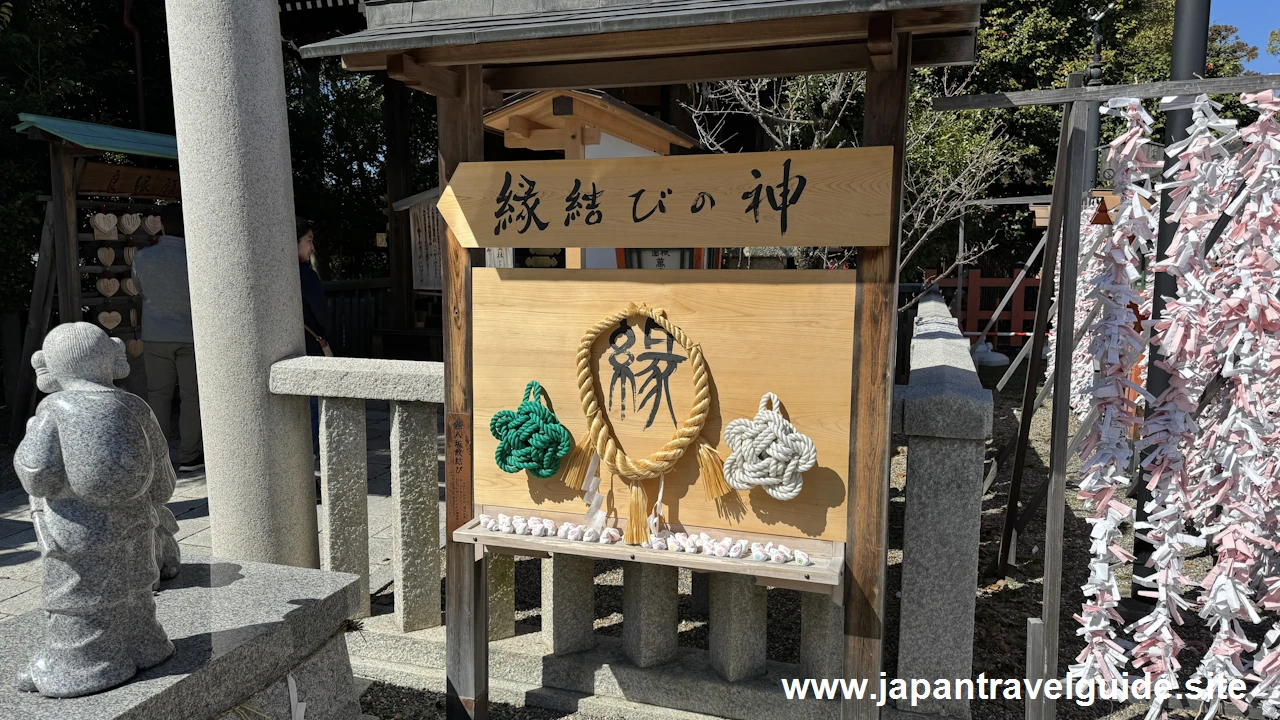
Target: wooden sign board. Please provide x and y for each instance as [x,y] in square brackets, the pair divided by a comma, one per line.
[809,197]
[786,332]
[129,181]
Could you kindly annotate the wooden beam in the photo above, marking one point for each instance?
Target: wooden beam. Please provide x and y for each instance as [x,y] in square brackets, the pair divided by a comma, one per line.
[1102,93]
[685,40]
[554,138]
[875,317]
[882,43]
[438,81]
[523,127]
[633,133]
[461,139]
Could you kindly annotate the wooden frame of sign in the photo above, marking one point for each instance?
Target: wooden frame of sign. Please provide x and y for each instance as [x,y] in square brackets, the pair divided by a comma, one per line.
[860,555]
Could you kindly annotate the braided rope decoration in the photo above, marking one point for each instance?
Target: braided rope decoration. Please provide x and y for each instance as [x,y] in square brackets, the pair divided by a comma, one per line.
[600,434]
[767,452]
[529,437]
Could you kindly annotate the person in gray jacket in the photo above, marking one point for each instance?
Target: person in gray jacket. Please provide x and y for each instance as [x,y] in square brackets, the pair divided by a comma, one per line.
[160,274]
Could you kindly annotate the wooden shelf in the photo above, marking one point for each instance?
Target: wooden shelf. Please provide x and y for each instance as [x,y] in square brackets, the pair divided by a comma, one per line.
[136,237]
[118,270]
[822,576]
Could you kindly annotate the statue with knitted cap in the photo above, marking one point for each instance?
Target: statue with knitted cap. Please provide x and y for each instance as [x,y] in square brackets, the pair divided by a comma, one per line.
[97,468]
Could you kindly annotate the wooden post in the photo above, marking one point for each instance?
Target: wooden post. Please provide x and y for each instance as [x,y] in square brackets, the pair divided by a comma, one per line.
[875,316]
[1035,665]
[1044,298]
[62,174]
[1060,430]
[461,132]
[23,403]
[399,174]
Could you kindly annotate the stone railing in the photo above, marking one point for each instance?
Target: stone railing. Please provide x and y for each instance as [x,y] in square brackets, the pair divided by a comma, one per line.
[415,391]
[946,416]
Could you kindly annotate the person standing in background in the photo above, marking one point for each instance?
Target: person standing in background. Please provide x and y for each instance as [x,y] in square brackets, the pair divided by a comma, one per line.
[315,313]
[160,274]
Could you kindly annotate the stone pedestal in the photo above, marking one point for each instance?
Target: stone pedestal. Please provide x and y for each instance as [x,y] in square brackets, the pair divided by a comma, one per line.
[650,612]
[502,596]
[739,614]
[568,603]
[821,637]
[240,629]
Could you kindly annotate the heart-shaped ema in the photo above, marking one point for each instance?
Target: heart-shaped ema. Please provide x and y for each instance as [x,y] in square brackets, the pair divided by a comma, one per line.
[151,224]
[134,347]
[109,320]
[106,255]
[128,286]
[104,226]
[129,252]
[108,286]
[129,223]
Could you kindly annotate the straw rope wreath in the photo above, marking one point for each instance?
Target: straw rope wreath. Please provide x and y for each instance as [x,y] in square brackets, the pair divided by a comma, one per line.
[599,437]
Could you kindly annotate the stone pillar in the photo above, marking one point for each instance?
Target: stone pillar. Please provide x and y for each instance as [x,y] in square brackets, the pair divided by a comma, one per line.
[233,144]
[502,596]
[415,524]
[650,612]
[946,416]
[739,615]
[821,637]
[568,603]
[344,470]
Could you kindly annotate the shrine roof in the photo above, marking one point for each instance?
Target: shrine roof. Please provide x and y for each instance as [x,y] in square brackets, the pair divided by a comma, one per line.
[405,25]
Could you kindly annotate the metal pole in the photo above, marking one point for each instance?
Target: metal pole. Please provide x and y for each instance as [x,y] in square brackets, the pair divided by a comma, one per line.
[1190,45]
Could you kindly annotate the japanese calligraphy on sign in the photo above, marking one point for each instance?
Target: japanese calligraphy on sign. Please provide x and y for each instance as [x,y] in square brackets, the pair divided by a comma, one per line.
[129,181]
[653,367]
[814,197]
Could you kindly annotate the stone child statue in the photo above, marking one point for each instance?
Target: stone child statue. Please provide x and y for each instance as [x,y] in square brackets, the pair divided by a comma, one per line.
[97,467]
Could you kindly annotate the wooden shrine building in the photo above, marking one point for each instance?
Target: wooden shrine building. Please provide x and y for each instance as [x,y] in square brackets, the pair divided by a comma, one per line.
[468,53]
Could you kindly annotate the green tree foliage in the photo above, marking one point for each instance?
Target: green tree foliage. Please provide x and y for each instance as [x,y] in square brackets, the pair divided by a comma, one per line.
[68,58]
[1035,44]
[1273,43]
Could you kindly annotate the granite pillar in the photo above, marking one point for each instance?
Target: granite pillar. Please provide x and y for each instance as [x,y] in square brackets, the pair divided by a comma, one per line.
[947,418]
[344,474]
[415,525]
[821,637]
[568,603]
[233,145]
[739,616]
[502,596]
[650,612]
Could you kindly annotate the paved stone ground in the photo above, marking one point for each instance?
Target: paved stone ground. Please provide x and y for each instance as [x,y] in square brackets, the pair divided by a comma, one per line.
[20,570]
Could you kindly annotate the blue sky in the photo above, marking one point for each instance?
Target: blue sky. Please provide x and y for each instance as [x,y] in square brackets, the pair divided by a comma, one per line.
[1256,19]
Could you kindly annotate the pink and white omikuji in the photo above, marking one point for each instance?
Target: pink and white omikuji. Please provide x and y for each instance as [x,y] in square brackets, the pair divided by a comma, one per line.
[1213,478]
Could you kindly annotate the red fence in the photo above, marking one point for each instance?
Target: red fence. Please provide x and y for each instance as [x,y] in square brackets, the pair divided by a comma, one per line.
[982,295]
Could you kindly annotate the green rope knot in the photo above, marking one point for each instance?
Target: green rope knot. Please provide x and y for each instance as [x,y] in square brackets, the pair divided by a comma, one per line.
[530,437]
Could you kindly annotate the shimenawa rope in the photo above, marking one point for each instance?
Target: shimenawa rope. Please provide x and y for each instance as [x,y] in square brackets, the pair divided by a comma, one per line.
[599,436]
[767,452]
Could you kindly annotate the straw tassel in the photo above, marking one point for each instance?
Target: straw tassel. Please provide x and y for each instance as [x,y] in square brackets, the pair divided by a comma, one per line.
[576,462]
[637,520]
[711,471]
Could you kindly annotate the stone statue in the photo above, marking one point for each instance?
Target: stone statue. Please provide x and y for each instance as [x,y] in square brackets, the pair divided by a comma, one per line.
[97,467]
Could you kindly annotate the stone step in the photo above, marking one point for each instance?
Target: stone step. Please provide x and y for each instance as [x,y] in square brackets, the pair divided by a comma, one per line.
[521,695]
[686,683]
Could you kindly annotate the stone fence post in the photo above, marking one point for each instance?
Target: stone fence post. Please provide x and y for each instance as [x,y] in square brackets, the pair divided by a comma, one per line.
[946,415]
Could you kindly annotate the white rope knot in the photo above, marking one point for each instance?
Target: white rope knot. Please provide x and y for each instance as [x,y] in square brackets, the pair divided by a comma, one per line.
[768,452]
